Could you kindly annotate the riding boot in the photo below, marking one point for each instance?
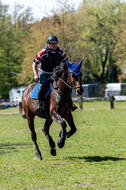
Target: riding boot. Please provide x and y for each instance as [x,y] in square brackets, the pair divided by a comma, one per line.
[40,96]
[38,108]
[41,106]
[74,107]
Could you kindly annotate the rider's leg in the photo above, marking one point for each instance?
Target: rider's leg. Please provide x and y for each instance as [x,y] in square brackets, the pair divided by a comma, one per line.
[42,91]
[40,97]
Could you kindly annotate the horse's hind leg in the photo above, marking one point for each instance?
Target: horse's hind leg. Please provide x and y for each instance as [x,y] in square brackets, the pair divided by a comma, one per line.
[30,117]
[70,121]
[46,132]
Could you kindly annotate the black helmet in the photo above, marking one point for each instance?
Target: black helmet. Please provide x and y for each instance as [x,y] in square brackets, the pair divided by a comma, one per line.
[52,39]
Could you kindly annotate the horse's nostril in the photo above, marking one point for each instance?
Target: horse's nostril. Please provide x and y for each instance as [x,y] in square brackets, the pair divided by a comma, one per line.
[77,91]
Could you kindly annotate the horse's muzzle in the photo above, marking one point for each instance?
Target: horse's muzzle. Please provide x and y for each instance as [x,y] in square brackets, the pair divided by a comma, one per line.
[79,90]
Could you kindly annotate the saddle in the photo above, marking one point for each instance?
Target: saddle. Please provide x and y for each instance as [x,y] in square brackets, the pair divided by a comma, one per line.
[35,90]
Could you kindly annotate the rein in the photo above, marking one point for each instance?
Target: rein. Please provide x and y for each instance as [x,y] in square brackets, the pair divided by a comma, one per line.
[65,103]
[62,94]
[71,87]
[66,83]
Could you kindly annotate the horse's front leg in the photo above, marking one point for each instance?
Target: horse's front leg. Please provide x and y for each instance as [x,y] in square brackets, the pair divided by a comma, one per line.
[46,132]
[56,117]
[70,121]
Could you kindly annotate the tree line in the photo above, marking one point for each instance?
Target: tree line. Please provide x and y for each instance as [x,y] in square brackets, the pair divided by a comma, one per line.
[94,33]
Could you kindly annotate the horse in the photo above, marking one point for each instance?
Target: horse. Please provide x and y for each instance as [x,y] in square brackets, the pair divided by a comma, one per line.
[58,105]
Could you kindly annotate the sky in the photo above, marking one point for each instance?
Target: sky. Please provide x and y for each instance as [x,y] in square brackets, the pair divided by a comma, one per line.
[40,8]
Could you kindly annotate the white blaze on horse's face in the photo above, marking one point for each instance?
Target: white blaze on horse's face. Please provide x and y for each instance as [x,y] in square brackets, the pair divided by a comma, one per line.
[75,76]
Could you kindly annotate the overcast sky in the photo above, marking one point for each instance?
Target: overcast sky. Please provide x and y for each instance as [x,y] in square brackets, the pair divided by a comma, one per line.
[39,7]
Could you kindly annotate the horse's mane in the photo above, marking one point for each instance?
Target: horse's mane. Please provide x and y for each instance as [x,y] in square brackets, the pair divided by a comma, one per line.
[57,72]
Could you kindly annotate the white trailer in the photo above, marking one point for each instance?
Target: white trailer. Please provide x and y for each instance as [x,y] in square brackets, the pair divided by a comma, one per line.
[115,89]
[15,94]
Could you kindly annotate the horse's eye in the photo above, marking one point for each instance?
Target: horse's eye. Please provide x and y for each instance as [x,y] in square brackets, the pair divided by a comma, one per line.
[75,77]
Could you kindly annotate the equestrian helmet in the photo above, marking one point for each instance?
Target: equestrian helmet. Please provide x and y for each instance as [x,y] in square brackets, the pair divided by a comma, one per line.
[52,39]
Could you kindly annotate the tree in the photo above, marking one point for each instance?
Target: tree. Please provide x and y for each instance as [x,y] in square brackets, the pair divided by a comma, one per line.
[104,32]
[95,33]
[61,24]
[14,30]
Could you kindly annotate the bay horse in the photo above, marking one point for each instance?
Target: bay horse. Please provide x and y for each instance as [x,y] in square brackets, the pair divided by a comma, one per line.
[58,105]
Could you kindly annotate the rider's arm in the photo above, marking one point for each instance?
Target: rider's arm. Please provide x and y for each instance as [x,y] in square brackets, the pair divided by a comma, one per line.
[38,59]
[64,56]
[35,71]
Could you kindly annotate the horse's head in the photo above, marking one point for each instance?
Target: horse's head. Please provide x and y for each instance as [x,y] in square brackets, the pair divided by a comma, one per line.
[75,76]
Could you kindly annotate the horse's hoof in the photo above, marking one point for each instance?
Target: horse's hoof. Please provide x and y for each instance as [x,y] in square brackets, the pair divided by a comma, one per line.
[53,151]
[38,155]
[60,143]
[39,158]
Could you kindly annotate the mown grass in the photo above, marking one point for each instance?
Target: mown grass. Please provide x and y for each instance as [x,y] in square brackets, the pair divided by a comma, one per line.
[93,159]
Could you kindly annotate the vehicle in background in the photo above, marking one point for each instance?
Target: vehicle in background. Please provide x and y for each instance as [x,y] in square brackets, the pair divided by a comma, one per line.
[15,94]
[89,90]
[115,89]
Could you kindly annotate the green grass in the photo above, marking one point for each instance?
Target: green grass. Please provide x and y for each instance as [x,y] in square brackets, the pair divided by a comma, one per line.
[92,159]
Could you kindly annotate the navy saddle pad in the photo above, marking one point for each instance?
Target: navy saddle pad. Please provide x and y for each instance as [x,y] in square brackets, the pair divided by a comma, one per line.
[35,90]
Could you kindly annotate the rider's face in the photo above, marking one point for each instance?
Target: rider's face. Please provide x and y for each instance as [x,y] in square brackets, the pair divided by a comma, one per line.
[52,46]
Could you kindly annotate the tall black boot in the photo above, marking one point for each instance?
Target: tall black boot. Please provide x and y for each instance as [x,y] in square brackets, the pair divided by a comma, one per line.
[38,107]
[40,96]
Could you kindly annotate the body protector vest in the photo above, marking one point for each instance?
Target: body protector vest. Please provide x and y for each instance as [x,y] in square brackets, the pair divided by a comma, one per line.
[52,60]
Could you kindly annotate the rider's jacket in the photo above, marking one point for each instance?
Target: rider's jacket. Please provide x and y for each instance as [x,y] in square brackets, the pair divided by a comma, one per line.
[49,60]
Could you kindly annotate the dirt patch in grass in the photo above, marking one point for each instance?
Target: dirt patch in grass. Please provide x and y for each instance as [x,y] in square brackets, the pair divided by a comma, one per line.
[8,114]
[21,131]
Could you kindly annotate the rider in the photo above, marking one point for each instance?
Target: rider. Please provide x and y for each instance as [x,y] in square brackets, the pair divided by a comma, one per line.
[48,58]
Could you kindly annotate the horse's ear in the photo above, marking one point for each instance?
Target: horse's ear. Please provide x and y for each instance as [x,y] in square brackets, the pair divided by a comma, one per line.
[68,64]
[79,64]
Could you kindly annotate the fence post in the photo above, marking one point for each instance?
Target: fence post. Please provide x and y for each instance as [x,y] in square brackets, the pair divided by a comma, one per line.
[112,102]
[80,102]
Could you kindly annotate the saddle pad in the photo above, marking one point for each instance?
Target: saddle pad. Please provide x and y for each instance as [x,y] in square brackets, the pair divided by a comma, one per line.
[35,90]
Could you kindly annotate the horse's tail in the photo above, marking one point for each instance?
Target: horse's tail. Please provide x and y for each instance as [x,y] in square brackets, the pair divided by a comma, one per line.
[20,110]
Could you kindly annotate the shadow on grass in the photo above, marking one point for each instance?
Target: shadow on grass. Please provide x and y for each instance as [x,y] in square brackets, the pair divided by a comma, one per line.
[12,147]
[96,158]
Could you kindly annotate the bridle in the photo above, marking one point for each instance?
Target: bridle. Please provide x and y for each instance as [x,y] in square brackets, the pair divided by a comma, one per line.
[71,87]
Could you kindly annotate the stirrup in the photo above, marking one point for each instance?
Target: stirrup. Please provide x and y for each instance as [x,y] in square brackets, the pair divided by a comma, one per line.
[40,108]
[74,107]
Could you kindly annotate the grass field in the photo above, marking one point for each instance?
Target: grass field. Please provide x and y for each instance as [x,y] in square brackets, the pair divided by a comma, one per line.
[92,159]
